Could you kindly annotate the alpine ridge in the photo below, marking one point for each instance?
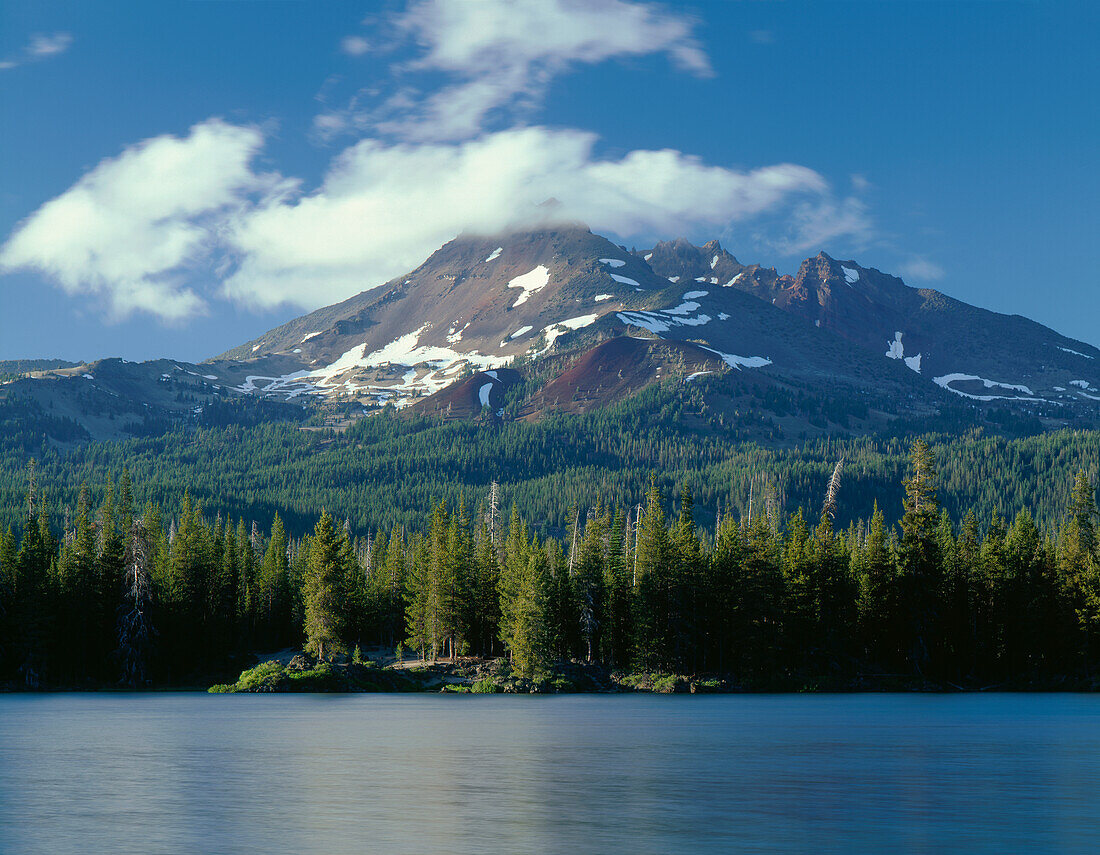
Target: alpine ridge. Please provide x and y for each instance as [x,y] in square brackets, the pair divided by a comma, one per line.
[559,319]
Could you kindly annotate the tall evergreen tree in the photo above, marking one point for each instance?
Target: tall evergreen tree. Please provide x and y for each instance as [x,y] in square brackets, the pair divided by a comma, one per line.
[324,590]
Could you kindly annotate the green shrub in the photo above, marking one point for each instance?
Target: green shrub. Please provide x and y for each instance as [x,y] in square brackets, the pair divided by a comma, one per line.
[485,687]
[665,683]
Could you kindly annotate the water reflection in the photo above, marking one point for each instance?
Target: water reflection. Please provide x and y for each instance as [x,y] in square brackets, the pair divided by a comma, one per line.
[637,774]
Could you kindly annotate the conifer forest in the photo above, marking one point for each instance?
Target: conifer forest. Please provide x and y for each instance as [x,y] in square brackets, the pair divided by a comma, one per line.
[113,593]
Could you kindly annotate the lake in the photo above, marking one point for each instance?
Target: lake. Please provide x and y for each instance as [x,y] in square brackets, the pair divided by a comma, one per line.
[193,773]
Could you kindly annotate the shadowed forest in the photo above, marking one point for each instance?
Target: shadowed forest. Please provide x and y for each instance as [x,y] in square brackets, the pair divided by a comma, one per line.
[122,596]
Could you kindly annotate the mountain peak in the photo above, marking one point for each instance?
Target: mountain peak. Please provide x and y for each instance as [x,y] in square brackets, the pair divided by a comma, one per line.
[681,260]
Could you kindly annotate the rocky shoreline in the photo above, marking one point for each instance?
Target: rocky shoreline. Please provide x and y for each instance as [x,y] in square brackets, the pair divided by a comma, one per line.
[477,676]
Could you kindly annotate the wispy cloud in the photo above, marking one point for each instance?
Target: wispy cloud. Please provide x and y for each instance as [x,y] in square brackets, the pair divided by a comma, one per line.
[354,45]
[500,56]
[920,268]
[814,223]
[40,46]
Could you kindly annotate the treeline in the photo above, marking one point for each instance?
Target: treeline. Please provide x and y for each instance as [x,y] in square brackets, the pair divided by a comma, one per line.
[390,470]
[120,597]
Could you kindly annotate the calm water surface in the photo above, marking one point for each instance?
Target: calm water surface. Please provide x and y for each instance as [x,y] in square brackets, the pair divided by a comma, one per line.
[192,773]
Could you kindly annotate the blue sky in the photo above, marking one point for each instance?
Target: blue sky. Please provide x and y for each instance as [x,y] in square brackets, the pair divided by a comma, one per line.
[177,177]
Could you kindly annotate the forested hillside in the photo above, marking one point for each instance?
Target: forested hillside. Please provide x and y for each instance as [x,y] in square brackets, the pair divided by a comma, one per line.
[392,469]
[128,596]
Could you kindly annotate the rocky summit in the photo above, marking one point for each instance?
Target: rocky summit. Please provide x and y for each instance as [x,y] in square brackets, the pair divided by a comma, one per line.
[527,323]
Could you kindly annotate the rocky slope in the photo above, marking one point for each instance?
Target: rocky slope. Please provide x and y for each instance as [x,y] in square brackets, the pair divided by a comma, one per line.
[560,319]
[969,351]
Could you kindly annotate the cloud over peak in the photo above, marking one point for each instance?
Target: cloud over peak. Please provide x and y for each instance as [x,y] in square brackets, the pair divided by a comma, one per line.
[174,221]
[384,207]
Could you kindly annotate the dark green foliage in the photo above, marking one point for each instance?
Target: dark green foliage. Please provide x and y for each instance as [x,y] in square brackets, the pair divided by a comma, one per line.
[645,588]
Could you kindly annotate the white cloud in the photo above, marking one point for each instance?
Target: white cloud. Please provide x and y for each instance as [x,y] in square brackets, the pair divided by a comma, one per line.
[919,267]
[140,230]
[39,47]
[384,207]
[131,228]
[354,45]
[172,221]
[51,45]
[502,54]
[813,223]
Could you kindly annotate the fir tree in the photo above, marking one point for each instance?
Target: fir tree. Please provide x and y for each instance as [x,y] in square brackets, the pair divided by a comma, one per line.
[323,590]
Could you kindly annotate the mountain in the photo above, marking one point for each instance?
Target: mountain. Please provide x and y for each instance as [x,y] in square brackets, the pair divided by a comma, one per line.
[560,320]
[969,351]
[479,304]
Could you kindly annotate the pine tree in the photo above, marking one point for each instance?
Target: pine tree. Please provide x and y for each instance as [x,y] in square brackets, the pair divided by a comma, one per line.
[653,642]
[80,604]
[919,559]
[616,637]
[393,580]
[686,585]
[136,632]
[273,601]
[527,640]
[878,597]
[33,590]
[323,592]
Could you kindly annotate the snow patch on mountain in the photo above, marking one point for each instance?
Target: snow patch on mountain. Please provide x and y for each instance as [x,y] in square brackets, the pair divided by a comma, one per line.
[740,362]
[897,351]
[714,262]
[646,320]
[494,255]
[665,319]
[1074,352]
[601,297]
[685,308]
[735,279]
[612,262]
[521,331]
[483,394]
[695,295]
[850,276]
[625,280]
[531,282]
[554,331]
[946,380]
